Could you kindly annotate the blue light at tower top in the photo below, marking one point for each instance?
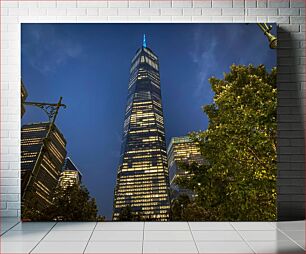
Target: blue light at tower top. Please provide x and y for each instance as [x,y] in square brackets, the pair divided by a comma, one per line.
[144,43]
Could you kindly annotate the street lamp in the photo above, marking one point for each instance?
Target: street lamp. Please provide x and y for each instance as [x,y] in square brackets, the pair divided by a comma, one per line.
[266,29]
[51,109]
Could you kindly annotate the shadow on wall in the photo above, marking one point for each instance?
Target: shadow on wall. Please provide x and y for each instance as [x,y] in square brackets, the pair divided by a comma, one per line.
[290,126]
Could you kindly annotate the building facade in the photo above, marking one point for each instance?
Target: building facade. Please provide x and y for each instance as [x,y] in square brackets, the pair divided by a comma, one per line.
[142,176]
[70,174]
[38,186]
[181,150]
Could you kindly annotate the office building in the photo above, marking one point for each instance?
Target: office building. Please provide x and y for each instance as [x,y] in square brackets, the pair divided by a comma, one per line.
[142,176]
[41,165]
[181,150]
[70,174]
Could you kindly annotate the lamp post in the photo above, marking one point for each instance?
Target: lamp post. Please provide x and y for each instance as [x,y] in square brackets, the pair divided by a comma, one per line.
[51,109]
[266,29]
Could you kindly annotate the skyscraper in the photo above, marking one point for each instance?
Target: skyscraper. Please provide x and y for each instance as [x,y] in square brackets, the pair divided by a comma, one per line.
[181,150]
[38,186]
[70,174]
[142,177]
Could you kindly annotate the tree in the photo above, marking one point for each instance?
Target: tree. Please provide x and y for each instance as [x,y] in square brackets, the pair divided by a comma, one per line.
[73,204]
[70,204]
[127,214]
[178,206]
[31,209]
[238,182]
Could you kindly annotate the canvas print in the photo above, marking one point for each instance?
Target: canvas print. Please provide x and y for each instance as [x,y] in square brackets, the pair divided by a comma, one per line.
[148,122]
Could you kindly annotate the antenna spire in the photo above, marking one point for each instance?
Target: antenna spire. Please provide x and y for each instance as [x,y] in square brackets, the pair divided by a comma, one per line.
[144,43]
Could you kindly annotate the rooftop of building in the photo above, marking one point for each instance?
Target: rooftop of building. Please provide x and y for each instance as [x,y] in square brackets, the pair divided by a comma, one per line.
[73,168]
[178,140]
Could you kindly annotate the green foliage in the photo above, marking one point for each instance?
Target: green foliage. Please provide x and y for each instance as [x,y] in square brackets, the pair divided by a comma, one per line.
[178,208]
[31,209]
[71,204]
[238,182]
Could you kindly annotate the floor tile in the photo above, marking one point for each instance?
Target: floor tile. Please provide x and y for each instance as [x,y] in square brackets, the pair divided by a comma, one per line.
[33,226]
[17,247]
[166,226]
[8,224]
[276,247]
[120,226]
[169,247]
[168,236]
[5,226]
[297,235]
[70,236]
[99,236]
[273,235]
[60,247]
[74,226]
[3,230]
[216,236]
[253,225]
[223,247]
[210,226]
[114,247]
[301,243]
[126,237]
[291,225]
[22,236]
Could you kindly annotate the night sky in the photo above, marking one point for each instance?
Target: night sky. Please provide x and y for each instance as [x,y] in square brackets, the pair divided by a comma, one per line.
[88,64]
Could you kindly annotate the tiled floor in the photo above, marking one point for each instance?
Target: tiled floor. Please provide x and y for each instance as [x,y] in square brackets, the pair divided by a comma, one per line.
[152,237]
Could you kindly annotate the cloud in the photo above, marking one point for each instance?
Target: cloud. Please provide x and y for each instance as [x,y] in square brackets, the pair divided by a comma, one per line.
[204,56]
[216,47]
[46,49]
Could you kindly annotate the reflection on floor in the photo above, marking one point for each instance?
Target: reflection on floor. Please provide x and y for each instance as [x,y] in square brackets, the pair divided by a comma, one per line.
[152,237]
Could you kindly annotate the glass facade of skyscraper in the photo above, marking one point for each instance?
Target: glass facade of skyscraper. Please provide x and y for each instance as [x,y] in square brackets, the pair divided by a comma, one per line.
[142,177]
[181,150]
[70,174]
[40,186]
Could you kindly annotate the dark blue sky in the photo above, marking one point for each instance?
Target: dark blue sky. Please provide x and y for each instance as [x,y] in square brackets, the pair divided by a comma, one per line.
[88,64]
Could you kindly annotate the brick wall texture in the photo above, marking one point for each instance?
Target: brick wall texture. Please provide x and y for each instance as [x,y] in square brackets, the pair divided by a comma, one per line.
[289,15]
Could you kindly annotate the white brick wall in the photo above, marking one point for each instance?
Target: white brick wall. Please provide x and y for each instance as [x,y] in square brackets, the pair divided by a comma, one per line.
[289,13]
